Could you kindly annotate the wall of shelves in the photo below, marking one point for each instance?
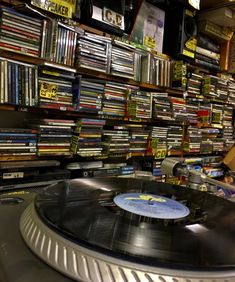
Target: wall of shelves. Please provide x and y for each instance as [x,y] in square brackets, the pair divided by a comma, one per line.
[15,115]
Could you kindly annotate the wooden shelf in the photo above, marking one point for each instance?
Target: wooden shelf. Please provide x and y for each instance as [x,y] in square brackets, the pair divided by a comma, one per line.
[33,60]
[143,86]
[76,114]
[87,72]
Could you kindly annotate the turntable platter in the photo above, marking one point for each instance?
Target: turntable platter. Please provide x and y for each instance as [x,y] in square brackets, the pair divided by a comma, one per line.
[81,221]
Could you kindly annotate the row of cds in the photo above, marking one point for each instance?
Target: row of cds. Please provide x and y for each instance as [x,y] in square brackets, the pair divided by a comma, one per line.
[72,46]
[118,58]
[93,138]
[63,44]
[50,87]
[96,138]
[20,33]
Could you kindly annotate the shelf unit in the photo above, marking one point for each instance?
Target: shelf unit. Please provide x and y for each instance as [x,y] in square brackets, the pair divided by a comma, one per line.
[173,92]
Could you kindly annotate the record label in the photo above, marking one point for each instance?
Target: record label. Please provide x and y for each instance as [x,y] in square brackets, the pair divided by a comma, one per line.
[151,205]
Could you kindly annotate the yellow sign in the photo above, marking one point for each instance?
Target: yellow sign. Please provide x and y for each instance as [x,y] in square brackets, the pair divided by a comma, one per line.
[191,44]
[188,53]
[64,8]
[150,42]
[51,72]
[48,91]
[160,154]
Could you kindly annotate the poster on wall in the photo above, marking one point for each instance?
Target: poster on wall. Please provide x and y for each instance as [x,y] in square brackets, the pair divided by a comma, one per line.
[148,29]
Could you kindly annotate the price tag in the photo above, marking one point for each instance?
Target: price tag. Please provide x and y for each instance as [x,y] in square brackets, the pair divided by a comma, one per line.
[48,91]
[160,154]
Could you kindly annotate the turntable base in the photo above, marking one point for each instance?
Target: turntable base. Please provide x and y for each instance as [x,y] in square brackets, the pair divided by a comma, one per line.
[83,264]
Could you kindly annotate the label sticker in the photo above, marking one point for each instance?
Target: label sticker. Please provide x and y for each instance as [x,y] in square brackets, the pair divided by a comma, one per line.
[150,205]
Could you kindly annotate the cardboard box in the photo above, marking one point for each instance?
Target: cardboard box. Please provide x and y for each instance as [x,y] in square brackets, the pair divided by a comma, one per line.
[229,159]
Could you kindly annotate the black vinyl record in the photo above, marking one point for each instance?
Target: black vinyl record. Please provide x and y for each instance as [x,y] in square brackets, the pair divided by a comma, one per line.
[85,212]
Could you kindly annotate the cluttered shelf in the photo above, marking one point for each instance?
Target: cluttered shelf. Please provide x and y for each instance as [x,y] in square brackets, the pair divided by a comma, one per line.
[126,102]
[88,72]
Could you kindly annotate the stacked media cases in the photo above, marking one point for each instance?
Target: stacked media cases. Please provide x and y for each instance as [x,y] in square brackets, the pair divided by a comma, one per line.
[211,140]
[139,139]
[122,59]
[194,84]
[157,172]
[139,104]
[174,140]
[179,108]
[93,52]
[55,88]
[20,33]
[155,70]
[88,94]
[58,42]
[116,141]
[192,110]
[19,83]
[114,99]
[231,91]
[222,89]
[161,106]
[158,137]
[18,142]
[54,136]
[192,142]
[87,137]
[207,53]
[217,112]
[215,88]
[228,127]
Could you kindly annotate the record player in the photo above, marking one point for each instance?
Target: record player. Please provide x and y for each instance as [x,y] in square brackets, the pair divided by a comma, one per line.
[116,229]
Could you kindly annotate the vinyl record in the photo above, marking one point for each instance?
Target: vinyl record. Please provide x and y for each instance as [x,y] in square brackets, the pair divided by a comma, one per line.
[199,237]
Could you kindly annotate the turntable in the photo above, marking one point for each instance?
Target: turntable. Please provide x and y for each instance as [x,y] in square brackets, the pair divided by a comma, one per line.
[116,229]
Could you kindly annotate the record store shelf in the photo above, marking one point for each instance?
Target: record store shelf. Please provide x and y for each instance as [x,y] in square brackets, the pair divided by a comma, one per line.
[144,86]
[76,114]
[92,73]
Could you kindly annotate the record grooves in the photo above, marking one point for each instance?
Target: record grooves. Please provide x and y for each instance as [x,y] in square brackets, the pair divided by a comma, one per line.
[83,214]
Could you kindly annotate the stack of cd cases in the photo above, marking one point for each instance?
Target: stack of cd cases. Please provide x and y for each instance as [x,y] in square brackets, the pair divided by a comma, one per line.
[161,106]
[114,99]
[18,142]
[54,136]
[20,33]
[122,59]
[87,94]
[58,42]
[87,137]
[93,52]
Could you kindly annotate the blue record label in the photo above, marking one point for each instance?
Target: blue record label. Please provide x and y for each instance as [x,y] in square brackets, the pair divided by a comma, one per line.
[151,205]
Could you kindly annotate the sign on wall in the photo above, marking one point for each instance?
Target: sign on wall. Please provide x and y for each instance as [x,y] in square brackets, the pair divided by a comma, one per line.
[64,8]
